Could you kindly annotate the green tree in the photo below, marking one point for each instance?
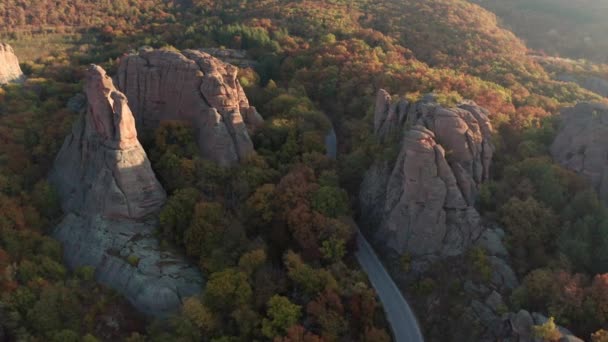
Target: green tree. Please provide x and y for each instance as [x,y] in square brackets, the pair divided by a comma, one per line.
[282,314]
[228,289]
[176,215]
[330,201]
[205,230]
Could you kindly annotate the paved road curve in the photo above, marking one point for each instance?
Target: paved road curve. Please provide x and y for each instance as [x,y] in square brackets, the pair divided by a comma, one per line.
[398,312]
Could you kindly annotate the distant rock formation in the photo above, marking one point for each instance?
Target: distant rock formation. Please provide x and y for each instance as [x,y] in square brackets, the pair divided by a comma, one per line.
[595,84]
[10,71]
[581,144]
[232,56]
[111,195]
[191,86]
[422,203]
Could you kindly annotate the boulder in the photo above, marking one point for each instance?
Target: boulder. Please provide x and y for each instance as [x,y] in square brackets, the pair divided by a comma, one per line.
[581,144]
[111,198]
[491,241]
[10,71]
[195,87]
[423,202]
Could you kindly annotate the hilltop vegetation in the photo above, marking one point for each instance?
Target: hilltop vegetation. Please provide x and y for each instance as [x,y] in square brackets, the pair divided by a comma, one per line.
[271,234]
[574,29]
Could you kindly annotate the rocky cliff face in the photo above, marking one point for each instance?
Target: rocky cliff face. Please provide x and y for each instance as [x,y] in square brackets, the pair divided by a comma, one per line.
[102,168]
[10,71]
[422,203]
[110,196]
[581,145]
[191,86]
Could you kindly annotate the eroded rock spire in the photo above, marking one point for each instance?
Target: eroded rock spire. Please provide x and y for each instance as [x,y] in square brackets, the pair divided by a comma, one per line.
[10,71]
[111,198]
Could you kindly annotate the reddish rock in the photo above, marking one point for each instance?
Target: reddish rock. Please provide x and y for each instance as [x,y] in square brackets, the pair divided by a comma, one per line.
[10,71]
[423,203]
[102,168]
[191,86]
[111,198]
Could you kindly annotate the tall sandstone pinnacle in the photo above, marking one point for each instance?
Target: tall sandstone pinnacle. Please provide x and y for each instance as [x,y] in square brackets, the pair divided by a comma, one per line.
[102,168]
[581,145]
[422,203]
[195,87]
[10,71]
[110,196]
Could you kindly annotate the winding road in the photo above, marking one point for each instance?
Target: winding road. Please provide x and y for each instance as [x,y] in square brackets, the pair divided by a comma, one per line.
[398,312]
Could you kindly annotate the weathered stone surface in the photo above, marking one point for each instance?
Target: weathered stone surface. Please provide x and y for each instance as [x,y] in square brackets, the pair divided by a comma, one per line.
[491,241]
[10,71]
[422,203]
[101,167]
[191,86]
[581,145]
[111,196]
[127,257]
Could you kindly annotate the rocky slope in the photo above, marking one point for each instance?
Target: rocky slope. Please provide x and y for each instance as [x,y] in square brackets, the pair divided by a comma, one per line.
[581,145]
[422,203]
[595,84]
[10,71]
[191,86]
[110,196]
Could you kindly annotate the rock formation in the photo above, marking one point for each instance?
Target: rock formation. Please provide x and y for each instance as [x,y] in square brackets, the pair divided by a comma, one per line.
[191,86]
[102,168]
[581,145]
[422,203]
[595,84]
[518,327]
[10,71]
[110,196]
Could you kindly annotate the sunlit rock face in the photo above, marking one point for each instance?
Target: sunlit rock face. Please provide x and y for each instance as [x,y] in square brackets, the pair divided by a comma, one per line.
[195,87]
[102,168]
[581,144]
[111,197]
[10,71]
[422,203]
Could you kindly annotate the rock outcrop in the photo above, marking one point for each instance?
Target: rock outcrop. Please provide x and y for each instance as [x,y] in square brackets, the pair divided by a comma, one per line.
[111,195]
[10,71]
[518,327]
[191,86]
[581,144]
[422,203]
[595,84]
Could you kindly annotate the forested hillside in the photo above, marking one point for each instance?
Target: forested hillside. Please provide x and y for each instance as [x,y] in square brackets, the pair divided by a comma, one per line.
[272,236]
[573,29]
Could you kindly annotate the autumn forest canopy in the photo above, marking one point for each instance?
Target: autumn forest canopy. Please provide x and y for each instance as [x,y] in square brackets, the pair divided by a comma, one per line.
[273,233]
